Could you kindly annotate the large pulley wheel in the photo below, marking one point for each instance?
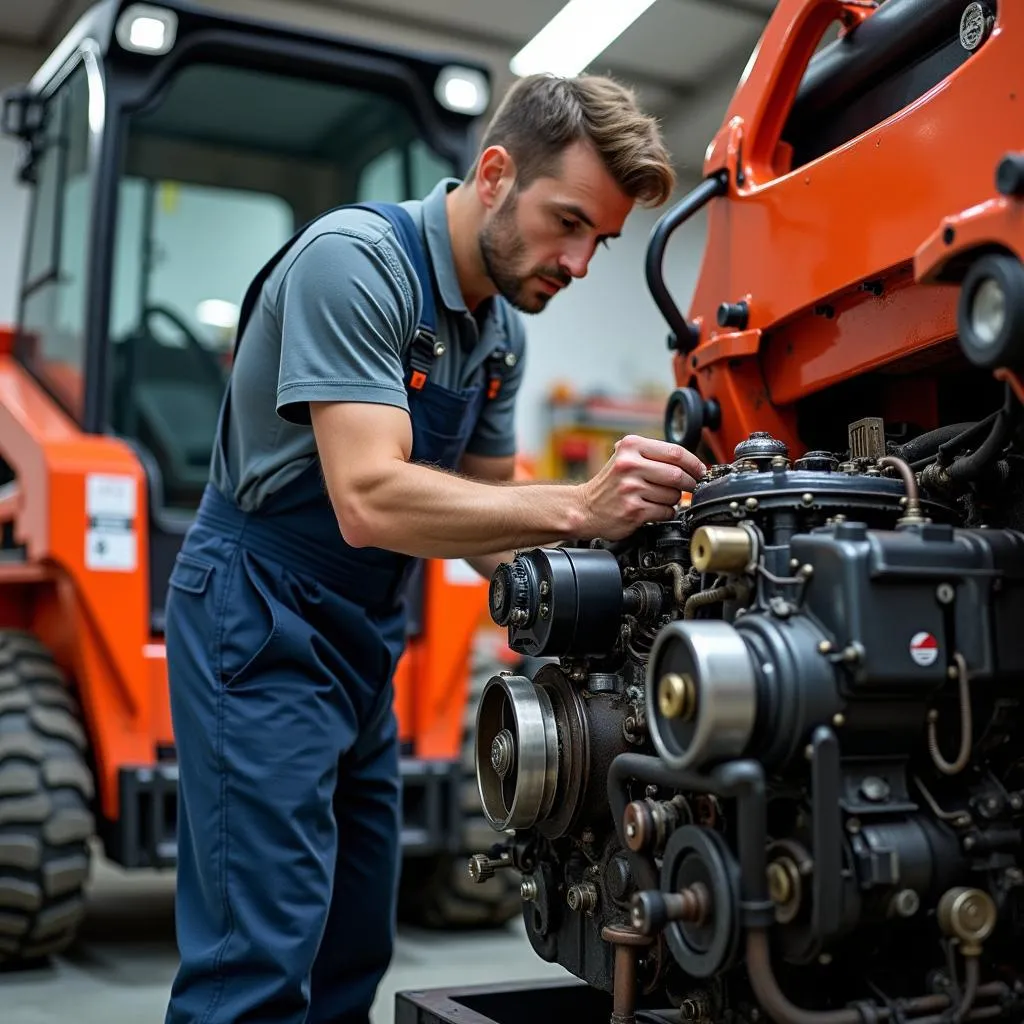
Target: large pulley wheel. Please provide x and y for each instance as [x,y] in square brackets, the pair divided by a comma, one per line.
[698,856]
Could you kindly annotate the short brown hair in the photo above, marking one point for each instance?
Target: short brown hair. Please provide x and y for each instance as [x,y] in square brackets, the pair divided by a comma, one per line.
[541,115]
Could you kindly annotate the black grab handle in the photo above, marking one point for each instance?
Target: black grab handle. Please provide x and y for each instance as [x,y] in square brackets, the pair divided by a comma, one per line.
[683,335]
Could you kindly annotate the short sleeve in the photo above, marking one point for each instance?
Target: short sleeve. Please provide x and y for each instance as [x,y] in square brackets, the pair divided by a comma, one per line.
[495,432]
[345,306]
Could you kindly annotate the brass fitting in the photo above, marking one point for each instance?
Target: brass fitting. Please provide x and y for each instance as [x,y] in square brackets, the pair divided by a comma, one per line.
[723,549]
[969,915]
[677,696]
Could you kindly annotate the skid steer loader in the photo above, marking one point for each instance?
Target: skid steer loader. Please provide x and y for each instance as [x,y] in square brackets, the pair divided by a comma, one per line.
[169,151]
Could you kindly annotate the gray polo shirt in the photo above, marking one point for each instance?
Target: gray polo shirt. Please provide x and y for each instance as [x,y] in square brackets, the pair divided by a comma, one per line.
[333,324]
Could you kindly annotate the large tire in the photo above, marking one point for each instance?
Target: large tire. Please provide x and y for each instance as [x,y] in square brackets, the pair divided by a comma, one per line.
[46,790]
[437,892]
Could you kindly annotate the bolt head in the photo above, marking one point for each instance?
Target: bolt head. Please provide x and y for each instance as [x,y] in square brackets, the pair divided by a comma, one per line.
[480,868]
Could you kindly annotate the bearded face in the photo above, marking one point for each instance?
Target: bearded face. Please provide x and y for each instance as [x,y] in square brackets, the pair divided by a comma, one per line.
[505,251]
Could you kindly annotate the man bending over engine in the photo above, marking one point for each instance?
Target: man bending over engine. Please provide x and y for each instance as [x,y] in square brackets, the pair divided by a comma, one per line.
[368,423]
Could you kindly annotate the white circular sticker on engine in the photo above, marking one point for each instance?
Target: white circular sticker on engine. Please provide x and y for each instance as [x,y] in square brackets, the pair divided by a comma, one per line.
[924,648]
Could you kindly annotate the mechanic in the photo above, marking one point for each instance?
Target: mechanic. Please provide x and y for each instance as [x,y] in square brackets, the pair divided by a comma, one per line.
[368,423]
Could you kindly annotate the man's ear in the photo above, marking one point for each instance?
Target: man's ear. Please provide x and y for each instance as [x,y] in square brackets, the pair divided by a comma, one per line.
[495,175]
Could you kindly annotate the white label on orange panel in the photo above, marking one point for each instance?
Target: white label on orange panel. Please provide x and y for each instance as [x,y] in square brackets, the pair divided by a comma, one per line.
[109,496]
[111,549]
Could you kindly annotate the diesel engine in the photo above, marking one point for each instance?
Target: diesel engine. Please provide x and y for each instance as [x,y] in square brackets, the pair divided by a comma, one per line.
[770,766]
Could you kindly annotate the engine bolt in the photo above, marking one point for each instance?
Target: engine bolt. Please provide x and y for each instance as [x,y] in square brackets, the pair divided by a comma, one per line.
[482,867]
[582,897]
[905,903]
[638,825]
[874,789]
[677,696]
[528,889]
[545,588]
[825,647]
[1016,801]
[503,753]
[751,503]
[839,719]
[945,593]
[807,499]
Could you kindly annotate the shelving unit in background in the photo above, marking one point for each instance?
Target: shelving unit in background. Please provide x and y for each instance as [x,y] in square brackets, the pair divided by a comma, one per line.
[582,429]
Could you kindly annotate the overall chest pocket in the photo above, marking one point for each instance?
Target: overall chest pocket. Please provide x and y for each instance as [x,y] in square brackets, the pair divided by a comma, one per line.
[442,423]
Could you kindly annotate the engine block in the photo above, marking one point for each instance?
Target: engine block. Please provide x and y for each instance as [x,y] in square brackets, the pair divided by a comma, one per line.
[772,747]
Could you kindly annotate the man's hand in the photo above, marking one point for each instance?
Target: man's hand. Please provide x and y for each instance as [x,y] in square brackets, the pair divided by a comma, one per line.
[642,482]
[383,500]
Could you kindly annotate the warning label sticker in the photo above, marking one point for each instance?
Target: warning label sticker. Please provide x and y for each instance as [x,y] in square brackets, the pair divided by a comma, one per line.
[111,539]
[924,648]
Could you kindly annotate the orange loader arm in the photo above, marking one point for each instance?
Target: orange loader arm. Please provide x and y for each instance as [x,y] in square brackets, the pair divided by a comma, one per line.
[94,619]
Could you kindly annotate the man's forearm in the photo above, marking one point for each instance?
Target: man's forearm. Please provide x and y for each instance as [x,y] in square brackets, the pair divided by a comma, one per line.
[486,564]
[429,513]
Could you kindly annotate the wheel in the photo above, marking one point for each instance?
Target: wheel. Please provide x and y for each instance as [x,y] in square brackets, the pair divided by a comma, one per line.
[990,313]
[437,892]
[46,789]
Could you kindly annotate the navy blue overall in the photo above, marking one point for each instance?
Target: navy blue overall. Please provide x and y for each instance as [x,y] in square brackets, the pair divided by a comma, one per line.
[281,645]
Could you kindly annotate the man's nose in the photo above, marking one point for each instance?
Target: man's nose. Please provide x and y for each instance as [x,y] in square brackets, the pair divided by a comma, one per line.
[576,263]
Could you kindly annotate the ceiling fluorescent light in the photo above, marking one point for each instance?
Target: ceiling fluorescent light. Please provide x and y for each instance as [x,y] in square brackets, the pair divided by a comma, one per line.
[579,33]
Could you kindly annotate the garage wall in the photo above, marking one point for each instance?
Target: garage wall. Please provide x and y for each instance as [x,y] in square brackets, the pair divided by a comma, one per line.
[604,333]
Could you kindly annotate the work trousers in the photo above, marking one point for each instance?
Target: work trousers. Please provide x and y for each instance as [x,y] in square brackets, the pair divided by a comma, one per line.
[289,790]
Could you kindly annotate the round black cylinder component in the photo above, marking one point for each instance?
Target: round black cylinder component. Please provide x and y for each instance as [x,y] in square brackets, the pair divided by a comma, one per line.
[1010,175]
[760,446]
[817,462]
[559,601]
[797,687]
[686,416]
[734,314]
[905,866]
[756,688]
[990,313]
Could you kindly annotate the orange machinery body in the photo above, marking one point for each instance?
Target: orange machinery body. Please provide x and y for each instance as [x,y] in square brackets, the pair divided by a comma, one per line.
[96,621]
[851,261]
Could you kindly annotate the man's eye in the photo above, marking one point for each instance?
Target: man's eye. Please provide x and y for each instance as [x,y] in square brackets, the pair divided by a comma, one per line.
[569,225]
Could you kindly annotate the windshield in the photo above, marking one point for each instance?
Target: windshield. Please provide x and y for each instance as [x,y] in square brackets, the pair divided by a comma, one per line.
[216,176]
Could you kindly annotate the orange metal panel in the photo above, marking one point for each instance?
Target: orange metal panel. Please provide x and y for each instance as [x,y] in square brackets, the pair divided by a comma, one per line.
[454,609]
[800,243]
[103,610]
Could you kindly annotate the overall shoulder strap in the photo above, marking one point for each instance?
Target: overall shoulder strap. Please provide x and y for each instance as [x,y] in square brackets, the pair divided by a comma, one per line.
[409,239]
[407,236]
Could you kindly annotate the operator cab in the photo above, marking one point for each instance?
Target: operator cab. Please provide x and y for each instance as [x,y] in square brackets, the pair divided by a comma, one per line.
[171,151]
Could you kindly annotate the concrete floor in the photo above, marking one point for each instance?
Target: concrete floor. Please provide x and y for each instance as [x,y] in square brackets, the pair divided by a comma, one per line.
[120,970]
